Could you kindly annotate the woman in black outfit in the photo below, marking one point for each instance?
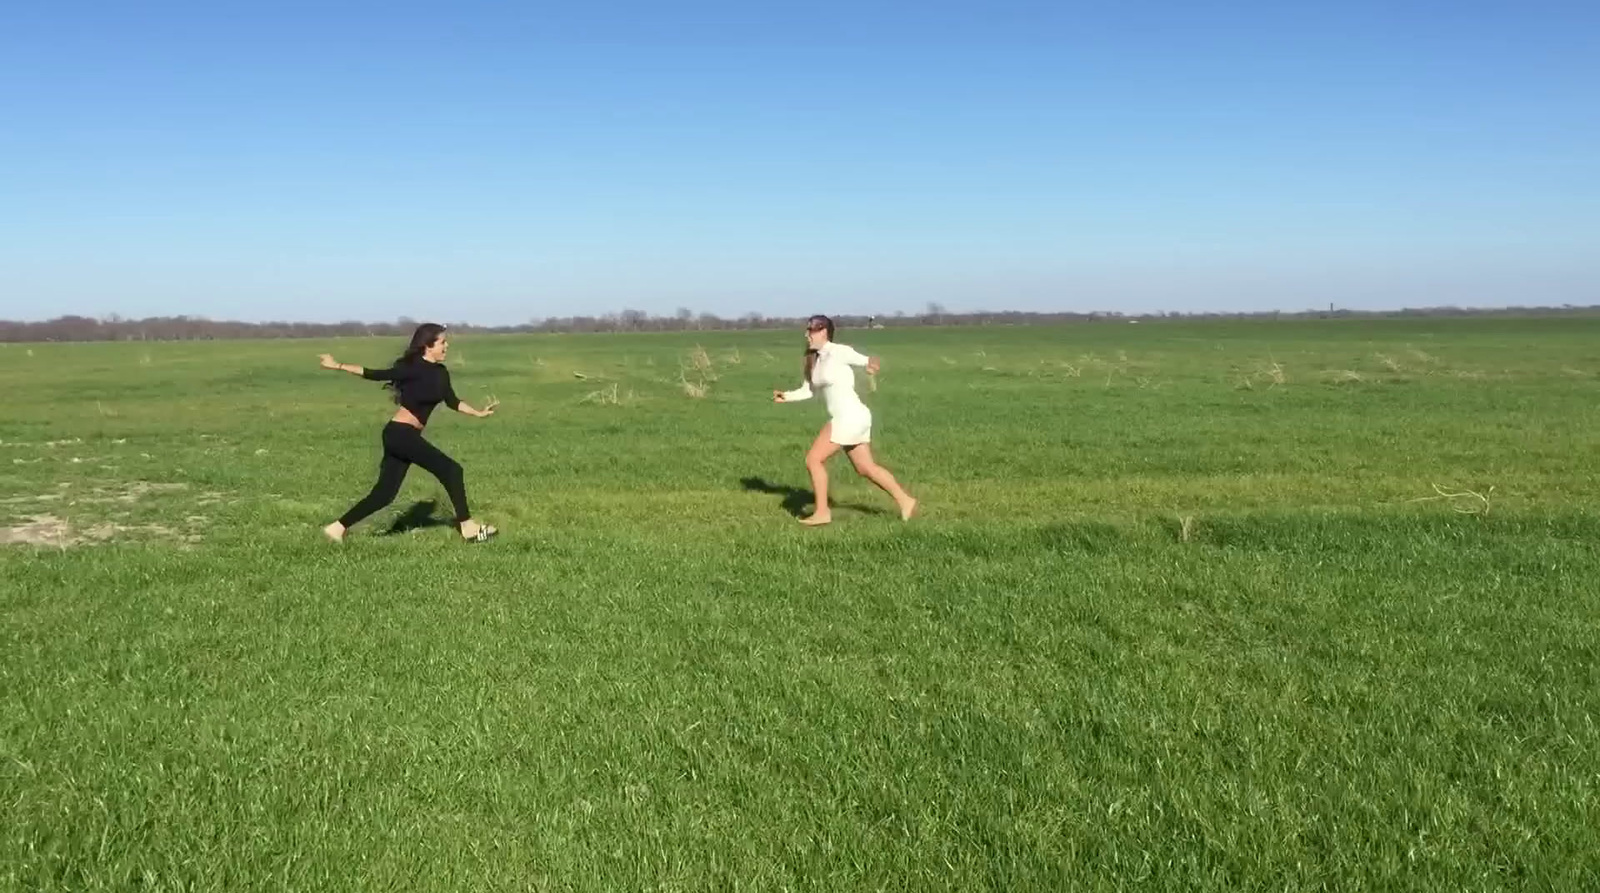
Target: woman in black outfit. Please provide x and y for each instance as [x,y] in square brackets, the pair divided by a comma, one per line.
[420,382]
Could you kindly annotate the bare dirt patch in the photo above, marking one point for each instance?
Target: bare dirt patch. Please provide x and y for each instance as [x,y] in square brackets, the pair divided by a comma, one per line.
[100,514]
[39,530]
[134,491]
[56,533]
[25,500]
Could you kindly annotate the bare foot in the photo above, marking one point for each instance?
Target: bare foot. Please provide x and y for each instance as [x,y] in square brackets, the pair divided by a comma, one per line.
[816,520]
[907,509]
[334,532]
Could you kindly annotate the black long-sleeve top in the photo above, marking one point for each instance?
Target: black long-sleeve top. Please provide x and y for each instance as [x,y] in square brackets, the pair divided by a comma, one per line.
[421,385]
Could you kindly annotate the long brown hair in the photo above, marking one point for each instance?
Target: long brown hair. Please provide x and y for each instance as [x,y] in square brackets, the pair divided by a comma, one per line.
[421,340]
[814,324]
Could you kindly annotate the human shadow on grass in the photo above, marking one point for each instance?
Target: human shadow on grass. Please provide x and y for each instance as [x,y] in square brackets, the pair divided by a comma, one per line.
[796,501]
[419,516]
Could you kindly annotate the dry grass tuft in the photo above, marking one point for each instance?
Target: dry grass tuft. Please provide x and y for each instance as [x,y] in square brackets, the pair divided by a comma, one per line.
[1067,369]
[1144,374]
[609,396]
[1270,373]
[700,362]
[1465,502]
[696,375]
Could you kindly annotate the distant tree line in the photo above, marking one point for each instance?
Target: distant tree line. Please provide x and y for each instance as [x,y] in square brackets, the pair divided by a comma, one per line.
[194,328]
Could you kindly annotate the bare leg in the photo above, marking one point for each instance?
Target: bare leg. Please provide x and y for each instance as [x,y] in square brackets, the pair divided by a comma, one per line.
[816,459]
[861,458]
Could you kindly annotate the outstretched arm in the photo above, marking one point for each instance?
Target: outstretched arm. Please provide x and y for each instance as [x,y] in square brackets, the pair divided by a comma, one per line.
[456,403]
[801,393]
[856,358]
[328,362]
[467,408]
[397,372]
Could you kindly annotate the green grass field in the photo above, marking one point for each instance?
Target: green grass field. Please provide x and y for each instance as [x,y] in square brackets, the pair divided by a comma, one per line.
[1184,610]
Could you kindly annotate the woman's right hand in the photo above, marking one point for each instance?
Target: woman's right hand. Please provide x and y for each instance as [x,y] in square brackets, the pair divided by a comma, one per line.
[777,396]
[328,361]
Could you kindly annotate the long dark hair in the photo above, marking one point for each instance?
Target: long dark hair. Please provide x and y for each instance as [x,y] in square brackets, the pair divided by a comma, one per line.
[816,323]
[421,340]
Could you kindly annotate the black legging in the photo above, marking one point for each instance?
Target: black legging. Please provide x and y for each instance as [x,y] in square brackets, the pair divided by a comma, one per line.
[404,447]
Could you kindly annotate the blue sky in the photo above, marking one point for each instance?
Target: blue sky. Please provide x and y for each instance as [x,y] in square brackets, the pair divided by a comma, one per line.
[495,163]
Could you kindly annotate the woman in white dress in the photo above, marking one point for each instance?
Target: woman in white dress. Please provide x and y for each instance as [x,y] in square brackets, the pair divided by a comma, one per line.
[828,370]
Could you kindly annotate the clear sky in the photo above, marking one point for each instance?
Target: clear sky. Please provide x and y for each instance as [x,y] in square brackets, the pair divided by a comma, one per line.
[495,163]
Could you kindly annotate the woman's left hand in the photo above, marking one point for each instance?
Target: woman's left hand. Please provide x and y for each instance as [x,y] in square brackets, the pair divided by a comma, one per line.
[872,365]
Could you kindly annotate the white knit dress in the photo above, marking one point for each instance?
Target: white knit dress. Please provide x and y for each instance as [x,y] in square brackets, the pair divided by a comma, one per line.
[833,376]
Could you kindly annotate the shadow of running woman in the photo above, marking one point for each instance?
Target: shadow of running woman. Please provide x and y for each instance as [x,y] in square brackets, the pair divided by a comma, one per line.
[418,516]
[795,500]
